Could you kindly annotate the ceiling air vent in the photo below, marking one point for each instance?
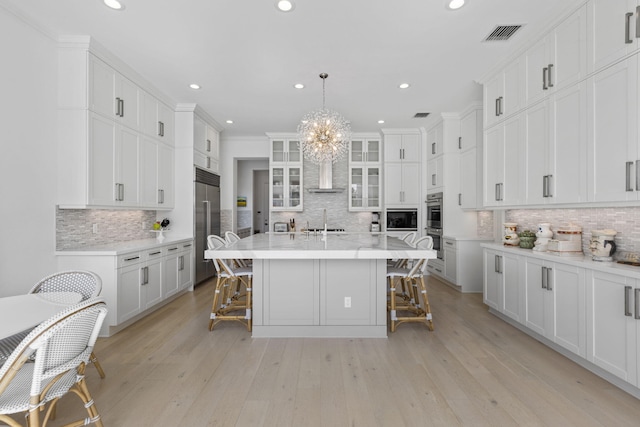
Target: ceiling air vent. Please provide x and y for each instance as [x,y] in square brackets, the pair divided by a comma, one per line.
[502,33]
[420,115]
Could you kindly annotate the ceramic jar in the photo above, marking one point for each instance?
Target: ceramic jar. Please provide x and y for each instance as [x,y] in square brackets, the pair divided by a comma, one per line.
[603,244]
[510,237]
[543,236]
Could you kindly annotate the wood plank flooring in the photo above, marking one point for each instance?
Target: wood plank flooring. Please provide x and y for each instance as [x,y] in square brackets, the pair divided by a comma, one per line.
[474,369]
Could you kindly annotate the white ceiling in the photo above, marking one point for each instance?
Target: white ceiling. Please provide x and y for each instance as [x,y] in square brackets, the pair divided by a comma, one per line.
[247,55]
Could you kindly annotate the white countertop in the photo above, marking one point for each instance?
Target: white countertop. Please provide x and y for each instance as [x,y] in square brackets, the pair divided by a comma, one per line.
[470,238]
[336,246]
[583,261]
[119,248]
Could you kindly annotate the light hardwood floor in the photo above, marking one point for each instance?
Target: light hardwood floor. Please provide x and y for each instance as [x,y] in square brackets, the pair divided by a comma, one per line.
[474,369]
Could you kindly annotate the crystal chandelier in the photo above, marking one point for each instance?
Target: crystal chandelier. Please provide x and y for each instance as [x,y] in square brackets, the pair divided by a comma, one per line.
[324,134]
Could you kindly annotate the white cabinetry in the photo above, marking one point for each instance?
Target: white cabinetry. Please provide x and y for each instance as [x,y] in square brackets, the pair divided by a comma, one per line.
[559,59]
[206,146]
[612,31]
[614,150]
[504,93]
[402,157]
[470,146]
[285,173]
[157,119]
[555,303]
[102,130]
[462,261]
[364,175]
[614,325]
[135,281]
[504,161]
[502,286]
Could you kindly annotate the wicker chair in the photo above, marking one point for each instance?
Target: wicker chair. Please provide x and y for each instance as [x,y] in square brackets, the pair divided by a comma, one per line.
[230,237]
[229,297]
[86,283]
[62,346]
[413,300]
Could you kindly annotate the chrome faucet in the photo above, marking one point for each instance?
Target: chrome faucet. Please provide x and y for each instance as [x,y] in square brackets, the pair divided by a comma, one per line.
[324,218]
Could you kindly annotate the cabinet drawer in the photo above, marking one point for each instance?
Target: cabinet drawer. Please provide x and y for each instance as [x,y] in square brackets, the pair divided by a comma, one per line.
[153,254]
[130,259]
[449,243]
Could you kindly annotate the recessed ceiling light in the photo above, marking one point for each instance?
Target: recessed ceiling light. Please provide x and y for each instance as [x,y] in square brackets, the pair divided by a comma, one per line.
[403,85]
[113,4]
[285,5]
[194,86]
[380,121]
[230,122]
[298,86]
[455,4]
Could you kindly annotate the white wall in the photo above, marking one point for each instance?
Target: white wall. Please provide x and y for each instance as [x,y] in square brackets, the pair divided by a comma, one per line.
[28,112]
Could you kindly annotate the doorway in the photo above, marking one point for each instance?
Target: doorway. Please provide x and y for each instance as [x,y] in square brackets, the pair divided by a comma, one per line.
[260,201]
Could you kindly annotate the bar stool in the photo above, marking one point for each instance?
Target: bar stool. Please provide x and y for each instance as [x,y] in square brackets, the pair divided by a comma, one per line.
[230,237]
[229,297]
[413,301]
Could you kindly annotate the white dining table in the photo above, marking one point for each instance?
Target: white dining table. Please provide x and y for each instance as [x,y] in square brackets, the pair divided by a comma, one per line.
[21,312]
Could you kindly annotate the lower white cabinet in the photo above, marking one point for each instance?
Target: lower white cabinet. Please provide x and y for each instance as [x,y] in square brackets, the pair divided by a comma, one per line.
[613,307]
[573,303]
[462,261]
[134,281]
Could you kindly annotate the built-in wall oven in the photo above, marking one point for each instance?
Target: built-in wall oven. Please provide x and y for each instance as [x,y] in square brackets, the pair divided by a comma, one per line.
[434,221]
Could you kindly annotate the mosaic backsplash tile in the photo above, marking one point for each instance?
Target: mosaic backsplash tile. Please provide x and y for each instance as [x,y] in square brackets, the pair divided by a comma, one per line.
[625,220]
[74,227]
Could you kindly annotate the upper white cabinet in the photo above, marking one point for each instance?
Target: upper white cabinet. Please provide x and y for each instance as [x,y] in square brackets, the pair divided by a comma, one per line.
[206,146]
[435,140]
[470,146]
[402,156]
[365,166]
[157,119]
[559,59]
[614,150]
[503,159]
[107,157]
[613,31]
[504,93]
[285,173]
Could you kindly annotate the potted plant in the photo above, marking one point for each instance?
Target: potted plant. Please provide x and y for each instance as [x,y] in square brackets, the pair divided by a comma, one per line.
[527,239]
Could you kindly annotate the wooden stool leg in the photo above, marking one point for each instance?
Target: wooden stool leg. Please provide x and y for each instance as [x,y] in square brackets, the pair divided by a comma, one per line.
[94,360]
[392,302]
[427,308]
[214,305]
[249,312]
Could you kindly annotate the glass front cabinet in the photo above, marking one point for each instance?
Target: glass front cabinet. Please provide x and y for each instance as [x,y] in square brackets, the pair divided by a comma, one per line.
[285,174]
[364,174]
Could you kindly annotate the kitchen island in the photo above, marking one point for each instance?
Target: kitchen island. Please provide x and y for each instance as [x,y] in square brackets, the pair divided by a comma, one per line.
[320,286]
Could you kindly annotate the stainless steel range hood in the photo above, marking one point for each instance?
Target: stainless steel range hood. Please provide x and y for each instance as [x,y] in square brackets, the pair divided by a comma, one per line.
[325,177]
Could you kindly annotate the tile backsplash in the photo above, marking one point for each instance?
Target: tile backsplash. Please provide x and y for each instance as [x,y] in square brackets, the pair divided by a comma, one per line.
[74,227]
[625,220]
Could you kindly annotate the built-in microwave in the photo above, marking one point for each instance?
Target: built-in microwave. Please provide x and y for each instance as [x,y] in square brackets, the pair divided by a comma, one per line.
[402,220]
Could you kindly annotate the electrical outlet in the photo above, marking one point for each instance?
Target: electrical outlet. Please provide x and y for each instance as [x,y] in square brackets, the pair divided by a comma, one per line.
[347,302]
[95,228]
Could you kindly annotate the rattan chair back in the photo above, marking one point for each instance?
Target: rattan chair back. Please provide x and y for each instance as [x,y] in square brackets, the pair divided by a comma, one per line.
[84,282]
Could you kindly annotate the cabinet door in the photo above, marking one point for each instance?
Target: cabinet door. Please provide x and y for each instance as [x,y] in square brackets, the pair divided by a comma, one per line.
[165,126]
[393,183]
[185,270]
[567,159]
[165,187]
[492,292]
[102,93]
[493,159]
[127,93]
[410,187]
[434,141]
[613,132]
[356,188]
[357,151]
[512,289]
[294,181]
[514,162]
[293,152]
[568,50]
[373,188]
[129,292]
[568,288]
[611,333]
[153,286]
[537,61]
[607,23]
[468,131]
[435,173]
[200,137]
[536,146]
[468,180]
[493,90]
[170,279]
[148,172]
[514,88]
[392,148]
[128,166]
[536,296]
[373,151]
[102,161]
[148,114]
[277,187]
[450,261]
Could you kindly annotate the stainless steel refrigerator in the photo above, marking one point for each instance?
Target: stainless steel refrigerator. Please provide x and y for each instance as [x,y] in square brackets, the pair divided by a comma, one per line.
[207,219]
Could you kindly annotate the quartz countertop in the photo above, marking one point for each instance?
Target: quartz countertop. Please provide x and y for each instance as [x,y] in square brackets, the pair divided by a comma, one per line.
[119,248]
[334,246]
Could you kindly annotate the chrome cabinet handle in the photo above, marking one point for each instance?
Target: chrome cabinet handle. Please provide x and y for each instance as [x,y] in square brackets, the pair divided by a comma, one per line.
[638,22]
[208,145]
[160,128]
[627,28]
[155,253]
[116,192]
[549,277]
[132,258]
[497,106]
[208,162]
[500,110]
[459,143]
[501,191]
[433,179]
[544,78]
[545,278]
[497,192]
[628,176]
[121,192]
[173,249]
[637,175]
[627,301]
[549,80]
[499,263]
[144,276]
[495,264]
[433,148]
[549,192]
[459,199]
[544,186]
[118,107]
[637,303]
